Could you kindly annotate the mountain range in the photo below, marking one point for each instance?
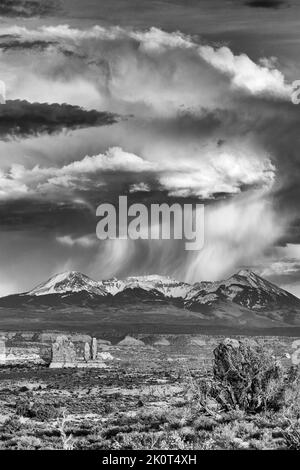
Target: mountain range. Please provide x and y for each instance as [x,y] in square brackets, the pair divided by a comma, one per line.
[244,298]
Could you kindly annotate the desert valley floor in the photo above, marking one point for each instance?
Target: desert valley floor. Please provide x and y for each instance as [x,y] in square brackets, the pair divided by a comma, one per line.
[146,394]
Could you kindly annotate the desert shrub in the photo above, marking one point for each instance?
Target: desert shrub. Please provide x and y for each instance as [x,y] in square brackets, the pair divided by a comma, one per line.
[188,434]
[292,434]
[244,429]
[111,431]
[292,396]
[224,437]
[11,425]
[231,415]
[26,443]
[247,378]
[272,420]
[205,423]
[292,439]
[178,418]
[152,440]
[38,410]
[92,442]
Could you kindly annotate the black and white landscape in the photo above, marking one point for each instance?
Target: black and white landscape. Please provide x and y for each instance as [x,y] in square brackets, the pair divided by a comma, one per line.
[123,343]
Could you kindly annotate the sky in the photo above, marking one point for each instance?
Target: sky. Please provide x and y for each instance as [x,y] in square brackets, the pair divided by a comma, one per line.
[183,101]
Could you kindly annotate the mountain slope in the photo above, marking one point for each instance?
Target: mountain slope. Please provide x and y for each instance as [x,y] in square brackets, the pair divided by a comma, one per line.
[243,299]
[246,289]
[68,282]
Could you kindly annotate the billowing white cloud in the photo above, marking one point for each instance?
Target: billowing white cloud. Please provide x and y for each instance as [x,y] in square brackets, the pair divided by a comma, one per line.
[20,181]
[159,70]
[11,186]
[245,74]
[219,173]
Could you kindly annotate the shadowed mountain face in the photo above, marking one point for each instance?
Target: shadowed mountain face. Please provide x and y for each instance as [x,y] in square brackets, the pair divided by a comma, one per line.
[244,298]
[244,288]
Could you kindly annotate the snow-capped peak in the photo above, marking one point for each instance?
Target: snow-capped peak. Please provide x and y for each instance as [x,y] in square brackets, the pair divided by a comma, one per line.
[248,278]
[112,286]
[66,282]
[164,284]
[245,273]
[244,288]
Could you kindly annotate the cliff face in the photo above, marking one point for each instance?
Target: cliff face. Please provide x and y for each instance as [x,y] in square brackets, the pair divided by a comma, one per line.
[49,349]
[68,353]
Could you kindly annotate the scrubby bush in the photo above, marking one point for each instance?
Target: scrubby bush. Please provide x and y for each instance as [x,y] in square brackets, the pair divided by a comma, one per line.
[246,377]
[26,443]
[205,423]
[38,410]
[151,441]
[292,436]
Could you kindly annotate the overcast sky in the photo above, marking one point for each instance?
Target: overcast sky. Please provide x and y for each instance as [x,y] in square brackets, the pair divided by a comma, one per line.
[180,100]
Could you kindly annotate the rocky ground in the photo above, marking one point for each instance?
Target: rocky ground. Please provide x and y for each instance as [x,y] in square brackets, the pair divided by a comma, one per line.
[128,408]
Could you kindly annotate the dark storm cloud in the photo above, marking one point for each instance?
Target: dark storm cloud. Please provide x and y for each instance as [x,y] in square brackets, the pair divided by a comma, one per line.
[46,216]
[75,212]
[28,8]
[273,4]
[11,44]
[21,119]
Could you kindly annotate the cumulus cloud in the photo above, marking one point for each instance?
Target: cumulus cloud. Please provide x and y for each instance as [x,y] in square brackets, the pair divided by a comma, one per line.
[78,175]
[221,173]
[246,74]
[154,68]
[23,119]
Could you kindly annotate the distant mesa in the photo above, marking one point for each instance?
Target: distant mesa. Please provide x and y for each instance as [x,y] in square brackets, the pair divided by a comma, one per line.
[162,342]
[130,341]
